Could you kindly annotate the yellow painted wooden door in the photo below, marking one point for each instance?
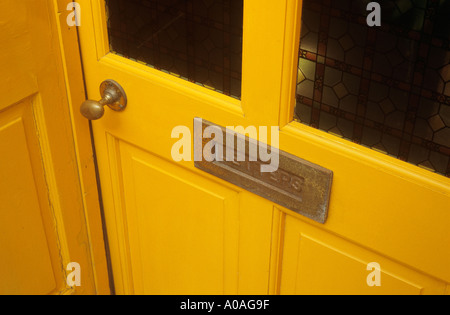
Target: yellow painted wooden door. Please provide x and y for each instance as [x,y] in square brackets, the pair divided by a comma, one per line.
[174,229]
[43,226]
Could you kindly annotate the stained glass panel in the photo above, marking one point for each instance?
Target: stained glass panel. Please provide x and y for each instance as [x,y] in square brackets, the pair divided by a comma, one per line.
[387,87]
[197,40]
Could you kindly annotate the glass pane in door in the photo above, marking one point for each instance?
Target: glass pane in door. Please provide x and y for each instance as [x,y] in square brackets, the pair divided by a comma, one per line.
[387,87]
[197,40]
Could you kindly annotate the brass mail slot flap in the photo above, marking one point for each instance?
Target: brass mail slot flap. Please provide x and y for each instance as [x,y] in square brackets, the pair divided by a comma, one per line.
[297,185]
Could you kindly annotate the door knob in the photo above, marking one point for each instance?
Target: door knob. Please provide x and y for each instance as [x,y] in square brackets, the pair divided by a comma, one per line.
[113,96]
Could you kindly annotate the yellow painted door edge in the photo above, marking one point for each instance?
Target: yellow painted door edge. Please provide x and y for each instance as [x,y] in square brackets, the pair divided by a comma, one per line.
[74,84]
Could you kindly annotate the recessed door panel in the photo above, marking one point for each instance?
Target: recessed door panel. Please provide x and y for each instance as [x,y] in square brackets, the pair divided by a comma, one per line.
[315,262]
[26,266]
[186,244]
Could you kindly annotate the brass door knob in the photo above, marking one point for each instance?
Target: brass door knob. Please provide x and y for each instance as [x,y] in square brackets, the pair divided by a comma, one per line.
[113,96]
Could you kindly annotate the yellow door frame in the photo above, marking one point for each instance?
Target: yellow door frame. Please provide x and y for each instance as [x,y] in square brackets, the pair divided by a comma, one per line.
[85,157]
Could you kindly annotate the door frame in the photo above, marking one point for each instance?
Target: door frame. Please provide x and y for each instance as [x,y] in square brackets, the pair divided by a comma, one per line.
[71,64]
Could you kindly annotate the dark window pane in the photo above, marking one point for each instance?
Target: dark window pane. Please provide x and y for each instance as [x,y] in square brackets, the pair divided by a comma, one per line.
[387,87]
[197,40]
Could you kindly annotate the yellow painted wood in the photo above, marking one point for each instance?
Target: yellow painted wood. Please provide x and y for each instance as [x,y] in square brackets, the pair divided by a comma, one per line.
[74,83]
[150,133]
[27,268]
[255,233]
[326,264]
[278,221]
[158,211]
[43,223]
[190,243]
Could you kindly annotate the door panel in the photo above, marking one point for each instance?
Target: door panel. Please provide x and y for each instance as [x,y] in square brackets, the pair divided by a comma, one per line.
[326,264]
[42,220]
[190,242]
[381,209]
[22,202]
